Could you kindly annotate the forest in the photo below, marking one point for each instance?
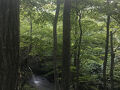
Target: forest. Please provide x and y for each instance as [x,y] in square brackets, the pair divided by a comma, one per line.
[59,44]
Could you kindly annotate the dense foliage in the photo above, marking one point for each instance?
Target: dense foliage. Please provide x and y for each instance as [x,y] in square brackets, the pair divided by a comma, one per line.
[90,16]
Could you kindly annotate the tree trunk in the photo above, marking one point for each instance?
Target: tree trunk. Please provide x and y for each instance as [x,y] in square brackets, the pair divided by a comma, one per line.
[78,55]
[106,49]
[66,46]
[31,30]
[106,54]
[112,62]
[55,44]
[9,44]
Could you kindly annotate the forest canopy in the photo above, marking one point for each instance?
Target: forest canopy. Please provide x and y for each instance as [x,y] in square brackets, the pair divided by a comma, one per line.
[94,40]
[93,24]
[72,44]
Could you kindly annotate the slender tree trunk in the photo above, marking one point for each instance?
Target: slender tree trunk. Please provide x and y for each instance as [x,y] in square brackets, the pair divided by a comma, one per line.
[66,46]
[75,53]
[106,54]
[55,45]
[31,30]
[112,62]
[106,49]
[78,55]
[9,44]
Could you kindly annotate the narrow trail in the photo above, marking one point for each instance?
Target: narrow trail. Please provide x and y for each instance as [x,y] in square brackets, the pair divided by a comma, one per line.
[41,83]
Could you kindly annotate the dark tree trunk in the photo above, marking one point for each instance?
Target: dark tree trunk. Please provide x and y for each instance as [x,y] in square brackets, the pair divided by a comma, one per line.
[66,46]
[31,30]
[55,45]
[9,44]
[112,62]
[78,55]
[106,50]
[75,53]
[106,54]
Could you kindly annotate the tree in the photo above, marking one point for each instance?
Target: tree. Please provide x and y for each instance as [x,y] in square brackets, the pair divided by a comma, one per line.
[55,44]
[106,50]
[79,51]
[112,61]
[66,45]
[87,43]
[9,44]
[106,53]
